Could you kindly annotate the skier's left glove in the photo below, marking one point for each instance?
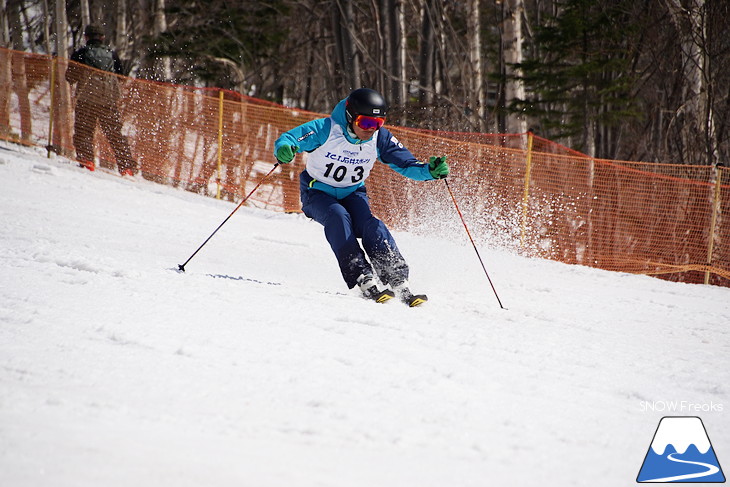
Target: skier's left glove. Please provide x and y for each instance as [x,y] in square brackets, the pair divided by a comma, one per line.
[437,167]
[286,153]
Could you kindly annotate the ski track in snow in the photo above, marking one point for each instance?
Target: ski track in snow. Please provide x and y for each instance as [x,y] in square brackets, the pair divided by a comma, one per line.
[258,367]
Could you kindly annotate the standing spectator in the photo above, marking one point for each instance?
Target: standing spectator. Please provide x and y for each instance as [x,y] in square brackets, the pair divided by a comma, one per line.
[97,94]
[343,148]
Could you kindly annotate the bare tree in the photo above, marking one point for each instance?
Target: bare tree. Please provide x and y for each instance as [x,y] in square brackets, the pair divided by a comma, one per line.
[85,13]
[5,74]
[402,70]
[20,84]
[347,54]
[4,24]
[163,67]
[477,93]
[695,114]
[393,43]
[47,19]
[512,11]
[427,54]
[62,97]
[121,37]
[61,29]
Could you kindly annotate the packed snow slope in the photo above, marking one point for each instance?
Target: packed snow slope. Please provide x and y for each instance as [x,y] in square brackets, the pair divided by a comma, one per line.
[258,367]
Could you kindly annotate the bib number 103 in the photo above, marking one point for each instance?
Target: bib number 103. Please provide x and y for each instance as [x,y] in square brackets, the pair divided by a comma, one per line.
[339,173]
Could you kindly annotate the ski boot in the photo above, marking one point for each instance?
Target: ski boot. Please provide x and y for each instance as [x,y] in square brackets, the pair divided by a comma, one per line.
[370,290]
[406,296]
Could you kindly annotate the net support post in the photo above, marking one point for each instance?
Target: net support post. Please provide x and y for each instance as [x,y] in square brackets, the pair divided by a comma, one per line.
[220,144]
[526,193]
[713,220]
[51,113]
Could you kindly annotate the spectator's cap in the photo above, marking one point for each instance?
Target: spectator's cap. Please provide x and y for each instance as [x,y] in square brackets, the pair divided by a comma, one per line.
[94,31]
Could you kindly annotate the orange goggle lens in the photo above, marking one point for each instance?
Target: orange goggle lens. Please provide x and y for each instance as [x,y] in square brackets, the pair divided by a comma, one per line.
[369,123]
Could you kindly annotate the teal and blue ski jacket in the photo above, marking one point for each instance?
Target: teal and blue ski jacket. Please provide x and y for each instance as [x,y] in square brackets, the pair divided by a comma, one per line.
[311,135]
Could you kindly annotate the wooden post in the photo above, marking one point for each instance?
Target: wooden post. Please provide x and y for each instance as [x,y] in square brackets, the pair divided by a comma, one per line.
[713,222]
[526,193]
[220,143]
[49,147]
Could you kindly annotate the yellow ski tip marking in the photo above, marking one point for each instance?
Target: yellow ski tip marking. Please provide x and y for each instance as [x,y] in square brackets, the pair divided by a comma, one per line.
[417,302]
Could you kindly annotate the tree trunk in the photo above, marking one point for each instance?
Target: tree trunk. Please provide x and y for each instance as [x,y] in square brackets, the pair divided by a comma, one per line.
[402,56]
[697,133]
[5,24]
[47,18]
[162,67]
[385,30]
[85,13]
[6,80]
[61,135]
[346,49]
[20,84]
[121,39]
[426,56]
[391,14]
[477,98]
[61,25]
[512,48]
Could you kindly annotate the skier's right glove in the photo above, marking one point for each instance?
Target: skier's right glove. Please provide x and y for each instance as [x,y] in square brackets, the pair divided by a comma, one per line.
[437,167]
[286,153]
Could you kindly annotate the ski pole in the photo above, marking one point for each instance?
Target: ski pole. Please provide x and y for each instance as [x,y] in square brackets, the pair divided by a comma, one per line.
[472,243]
[181,267]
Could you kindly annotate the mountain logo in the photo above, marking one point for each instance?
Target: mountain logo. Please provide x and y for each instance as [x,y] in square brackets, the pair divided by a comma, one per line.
[680,452]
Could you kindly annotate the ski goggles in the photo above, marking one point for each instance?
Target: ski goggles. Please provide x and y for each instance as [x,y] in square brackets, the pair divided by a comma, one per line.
[369,123]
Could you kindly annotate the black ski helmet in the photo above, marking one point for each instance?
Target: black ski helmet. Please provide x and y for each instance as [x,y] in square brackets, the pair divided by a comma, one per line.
[365,101]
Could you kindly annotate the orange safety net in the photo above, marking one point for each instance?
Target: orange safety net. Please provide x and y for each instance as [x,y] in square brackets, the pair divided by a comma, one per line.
[517,191]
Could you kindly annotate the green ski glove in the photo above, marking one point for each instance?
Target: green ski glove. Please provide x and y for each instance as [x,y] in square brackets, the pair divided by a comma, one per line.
[286,153]
[437,167]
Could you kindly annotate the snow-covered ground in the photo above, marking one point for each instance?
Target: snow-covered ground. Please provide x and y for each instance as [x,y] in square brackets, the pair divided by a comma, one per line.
[258,367]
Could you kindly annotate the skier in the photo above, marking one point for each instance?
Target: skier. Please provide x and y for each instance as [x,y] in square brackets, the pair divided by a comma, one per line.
[342,150]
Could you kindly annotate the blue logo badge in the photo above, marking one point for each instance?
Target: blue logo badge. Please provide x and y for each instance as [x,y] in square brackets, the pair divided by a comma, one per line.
[680,452]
